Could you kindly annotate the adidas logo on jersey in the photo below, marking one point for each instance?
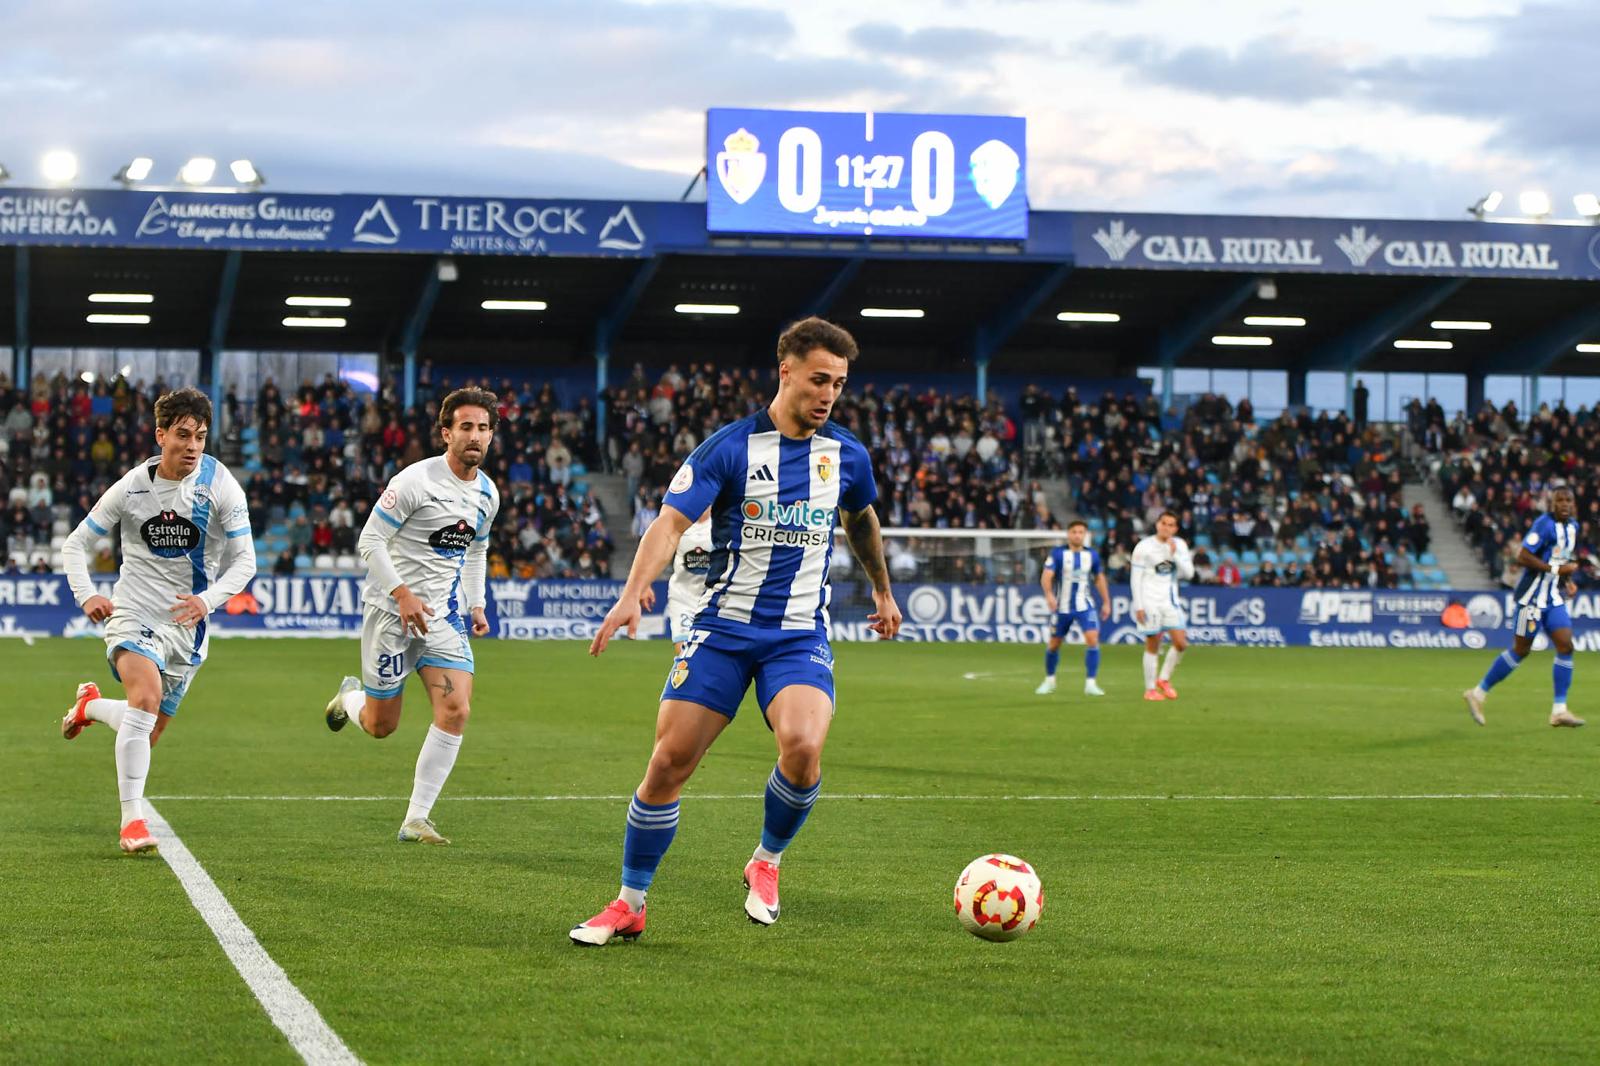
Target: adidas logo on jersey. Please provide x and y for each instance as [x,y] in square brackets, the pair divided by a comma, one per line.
[762,474]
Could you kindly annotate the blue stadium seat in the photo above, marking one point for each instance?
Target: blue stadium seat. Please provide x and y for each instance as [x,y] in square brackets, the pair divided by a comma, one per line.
[1428,559]
[1251,558]
[302,562]
[1270,557]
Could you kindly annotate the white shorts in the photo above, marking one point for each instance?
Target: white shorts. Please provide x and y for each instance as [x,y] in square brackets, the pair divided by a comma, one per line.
[177,651]
[1161,619]
[680,617]
[388,654]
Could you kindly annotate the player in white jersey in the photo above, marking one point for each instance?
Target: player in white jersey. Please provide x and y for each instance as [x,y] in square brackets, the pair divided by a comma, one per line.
[1081,576]
[426,547]
[186,550]
[686,585]
[776,483]
[1158,564]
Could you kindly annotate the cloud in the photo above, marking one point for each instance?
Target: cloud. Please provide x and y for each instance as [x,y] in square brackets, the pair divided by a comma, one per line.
[936,44]
[1275,68]
[1535,80]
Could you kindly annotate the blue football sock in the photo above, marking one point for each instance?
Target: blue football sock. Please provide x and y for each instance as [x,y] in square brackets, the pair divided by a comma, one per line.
[1500,669]
[787,806]
[1561,672]
[1091,662]
[1052,659]
[649,834]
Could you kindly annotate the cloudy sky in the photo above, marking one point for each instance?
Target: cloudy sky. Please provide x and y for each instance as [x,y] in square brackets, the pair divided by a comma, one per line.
[1408,108]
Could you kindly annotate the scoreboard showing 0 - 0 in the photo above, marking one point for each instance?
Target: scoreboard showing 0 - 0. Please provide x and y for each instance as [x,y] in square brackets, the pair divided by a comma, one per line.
[873,174]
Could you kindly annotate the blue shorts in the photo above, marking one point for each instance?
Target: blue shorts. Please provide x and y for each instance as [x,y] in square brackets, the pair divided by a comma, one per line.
[1088,621]
[1529,620]
[715,669]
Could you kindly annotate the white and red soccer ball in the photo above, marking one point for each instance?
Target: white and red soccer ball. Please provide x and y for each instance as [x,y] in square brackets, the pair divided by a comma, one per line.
[998,897]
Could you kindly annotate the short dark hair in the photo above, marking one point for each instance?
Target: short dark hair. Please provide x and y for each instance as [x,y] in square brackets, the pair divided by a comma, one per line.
[809,334]
[175,406]
[469,397]
[1076,522]
[1169,514]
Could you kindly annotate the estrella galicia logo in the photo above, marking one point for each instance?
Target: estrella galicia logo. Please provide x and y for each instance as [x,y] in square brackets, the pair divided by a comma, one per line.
[170,535]
[1165,567]
[697,561]
[452,540]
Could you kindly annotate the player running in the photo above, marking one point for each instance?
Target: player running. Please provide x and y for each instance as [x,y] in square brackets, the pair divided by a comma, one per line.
[186,550]
[1158,563]
[774,482]
[426,546]
[1078,568]
[1548,557]
[687,582]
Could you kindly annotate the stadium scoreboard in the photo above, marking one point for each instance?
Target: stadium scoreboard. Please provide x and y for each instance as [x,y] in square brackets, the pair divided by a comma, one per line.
[867,174]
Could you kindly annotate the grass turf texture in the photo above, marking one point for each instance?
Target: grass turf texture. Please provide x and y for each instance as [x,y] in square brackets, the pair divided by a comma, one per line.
[1174,930]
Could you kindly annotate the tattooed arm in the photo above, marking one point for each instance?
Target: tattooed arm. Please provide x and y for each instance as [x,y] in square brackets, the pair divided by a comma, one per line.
[861,527]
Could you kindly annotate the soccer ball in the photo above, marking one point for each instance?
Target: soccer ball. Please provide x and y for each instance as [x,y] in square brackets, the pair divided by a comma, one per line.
[998,897]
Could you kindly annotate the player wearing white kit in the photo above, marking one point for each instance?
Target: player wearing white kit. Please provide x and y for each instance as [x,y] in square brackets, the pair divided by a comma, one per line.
[186,550]
[687,582]
[426,547]
[1158,563]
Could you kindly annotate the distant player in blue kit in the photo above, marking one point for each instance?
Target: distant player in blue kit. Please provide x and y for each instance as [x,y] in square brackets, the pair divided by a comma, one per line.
[1077,569]
[774,482]
[1548,557]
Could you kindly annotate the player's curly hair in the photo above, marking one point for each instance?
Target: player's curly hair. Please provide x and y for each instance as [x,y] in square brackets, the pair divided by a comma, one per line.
[812,333]
[175,406]
[469,397]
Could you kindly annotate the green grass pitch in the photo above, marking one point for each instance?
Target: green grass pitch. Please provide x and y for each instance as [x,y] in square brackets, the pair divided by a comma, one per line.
[1175,929]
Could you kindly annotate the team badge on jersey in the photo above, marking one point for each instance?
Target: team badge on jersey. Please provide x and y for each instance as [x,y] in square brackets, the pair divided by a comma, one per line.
[680,672]
[683,480]
[824,468]
[170,535]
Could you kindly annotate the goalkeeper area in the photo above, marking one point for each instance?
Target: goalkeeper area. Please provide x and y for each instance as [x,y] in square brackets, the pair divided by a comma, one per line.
[1307,858]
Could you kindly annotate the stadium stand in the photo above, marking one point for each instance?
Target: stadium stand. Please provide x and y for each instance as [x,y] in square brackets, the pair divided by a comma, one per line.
[1496,470]
[311,461]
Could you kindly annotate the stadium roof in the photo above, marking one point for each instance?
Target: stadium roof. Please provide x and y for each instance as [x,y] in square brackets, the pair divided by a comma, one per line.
[416,271]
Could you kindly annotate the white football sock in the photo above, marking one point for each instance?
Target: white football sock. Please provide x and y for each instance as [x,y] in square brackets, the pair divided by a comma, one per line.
[434,763]
[352,702]
[774,857]
[1170,663]
[107,711]
[1149,670]
[633,897]
[133,761]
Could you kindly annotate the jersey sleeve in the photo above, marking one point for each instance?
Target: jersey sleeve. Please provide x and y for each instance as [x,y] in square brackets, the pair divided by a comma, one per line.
[1052,563]
[698,481]
[1541,536]
[399,499]
[234,508]
[1094,562]
[107,511]
[860,488]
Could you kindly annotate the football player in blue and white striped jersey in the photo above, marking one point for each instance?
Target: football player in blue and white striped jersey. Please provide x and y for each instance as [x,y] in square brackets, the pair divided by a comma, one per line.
[1548,557]
[1081,576]
[774,482]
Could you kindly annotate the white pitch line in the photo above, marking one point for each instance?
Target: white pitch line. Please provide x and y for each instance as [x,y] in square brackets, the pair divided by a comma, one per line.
[944,798]
[295,1016]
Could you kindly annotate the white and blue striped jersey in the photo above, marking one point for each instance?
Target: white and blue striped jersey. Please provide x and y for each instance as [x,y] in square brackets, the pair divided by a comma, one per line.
[1554,543]
[1075,573]
[774,502]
